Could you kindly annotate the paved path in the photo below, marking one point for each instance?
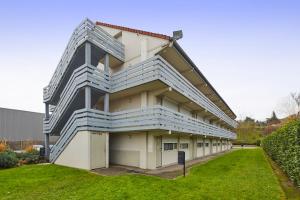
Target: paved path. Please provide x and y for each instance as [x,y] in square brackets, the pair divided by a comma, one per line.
[169,172]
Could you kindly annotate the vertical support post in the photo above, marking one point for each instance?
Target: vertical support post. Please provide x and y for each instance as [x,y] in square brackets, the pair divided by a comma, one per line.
[106,109]
[106,102]
[222,148]
[106,96]
[178,141]
[88,54]
[203,146]
[46,110]
[194,150]
[178,107]
[144,99]
[107,150]
[184,168]
[106,62]
[146,151]
[162,100]
[88,98]
[47,150]
[211,146]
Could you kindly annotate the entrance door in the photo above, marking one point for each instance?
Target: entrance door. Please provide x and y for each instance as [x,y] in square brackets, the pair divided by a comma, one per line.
[158,151]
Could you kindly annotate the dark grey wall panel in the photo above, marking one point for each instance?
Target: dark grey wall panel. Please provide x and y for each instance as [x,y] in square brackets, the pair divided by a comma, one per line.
[16,125]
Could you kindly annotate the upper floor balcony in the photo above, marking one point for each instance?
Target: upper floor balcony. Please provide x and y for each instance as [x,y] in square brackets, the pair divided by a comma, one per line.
[157,68]
[151,70]
[73,55]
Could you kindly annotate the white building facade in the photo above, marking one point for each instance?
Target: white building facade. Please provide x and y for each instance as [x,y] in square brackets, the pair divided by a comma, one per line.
[130,97]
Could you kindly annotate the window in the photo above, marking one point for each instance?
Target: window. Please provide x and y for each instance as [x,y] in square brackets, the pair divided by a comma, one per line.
[170,146]
[199,144]
[175,145]
[184,146]
[207,144]
[218,144]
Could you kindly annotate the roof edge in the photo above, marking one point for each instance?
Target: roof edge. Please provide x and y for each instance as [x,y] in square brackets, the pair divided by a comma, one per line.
[123,28]
[178,47]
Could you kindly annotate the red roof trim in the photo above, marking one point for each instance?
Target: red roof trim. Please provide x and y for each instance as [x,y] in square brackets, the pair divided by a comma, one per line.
[165,37]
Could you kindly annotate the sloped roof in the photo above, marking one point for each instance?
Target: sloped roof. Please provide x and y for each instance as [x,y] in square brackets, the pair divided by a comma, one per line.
[123,28]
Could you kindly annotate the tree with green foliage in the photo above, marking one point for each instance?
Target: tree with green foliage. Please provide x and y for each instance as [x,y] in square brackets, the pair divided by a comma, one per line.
[273,119]
[248,131]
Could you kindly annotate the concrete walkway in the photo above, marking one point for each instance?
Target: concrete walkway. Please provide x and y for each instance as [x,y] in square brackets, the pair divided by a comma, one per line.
[169,172]
[245,147]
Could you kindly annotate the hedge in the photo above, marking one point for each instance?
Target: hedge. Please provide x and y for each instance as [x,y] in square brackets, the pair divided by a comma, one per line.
[283,146]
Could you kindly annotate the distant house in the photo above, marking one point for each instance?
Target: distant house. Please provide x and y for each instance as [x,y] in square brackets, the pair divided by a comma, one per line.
[18,127]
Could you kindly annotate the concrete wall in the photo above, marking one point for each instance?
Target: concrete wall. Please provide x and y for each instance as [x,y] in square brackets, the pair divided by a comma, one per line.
[133,149]
[137,47]
[126,103]
[87,150]
[141,149]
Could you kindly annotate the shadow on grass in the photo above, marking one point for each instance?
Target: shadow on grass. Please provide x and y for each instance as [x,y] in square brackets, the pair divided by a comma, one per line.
[290,190]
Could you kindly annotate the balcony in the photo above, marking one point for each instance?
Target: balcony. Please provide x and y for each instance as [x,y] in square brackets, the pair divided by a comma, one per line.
[156,68]
[85,75]
[153,69]
[86,31]
[152,118]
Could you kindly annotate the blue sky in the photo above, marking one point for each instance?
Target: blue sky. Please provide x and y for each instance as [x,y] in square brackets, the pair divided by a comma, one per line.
[248,50]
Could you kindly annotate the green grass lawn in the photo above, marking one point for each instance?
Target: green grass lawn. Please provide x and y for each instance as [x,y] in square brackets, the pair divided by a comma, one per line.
[242,174]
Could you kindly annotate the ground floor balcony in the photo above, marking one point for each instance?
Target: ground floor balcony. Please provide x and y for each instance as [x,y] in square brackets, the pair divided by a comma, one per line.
[156,118]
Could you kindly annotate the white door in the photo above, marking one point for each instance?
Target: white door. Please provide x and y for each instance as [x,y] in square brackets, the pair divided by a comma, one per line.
[207,147]
[200,147]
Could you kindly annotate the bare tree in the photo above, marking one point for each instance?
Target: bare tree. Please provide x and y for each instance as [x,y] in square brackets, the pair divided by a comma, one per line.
[296,97]
[289,105]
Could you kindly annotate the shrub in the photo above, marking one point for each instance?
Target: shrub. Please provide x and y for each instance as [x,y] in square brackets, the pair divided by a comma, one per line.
[30,149]
[283,146]
[29,158]
[3,147]
[8,159]
[258,142]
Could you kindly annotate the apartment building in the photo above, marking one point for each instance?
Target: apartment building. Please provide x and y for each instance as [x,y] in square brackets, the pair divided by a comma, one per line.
[130,97]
